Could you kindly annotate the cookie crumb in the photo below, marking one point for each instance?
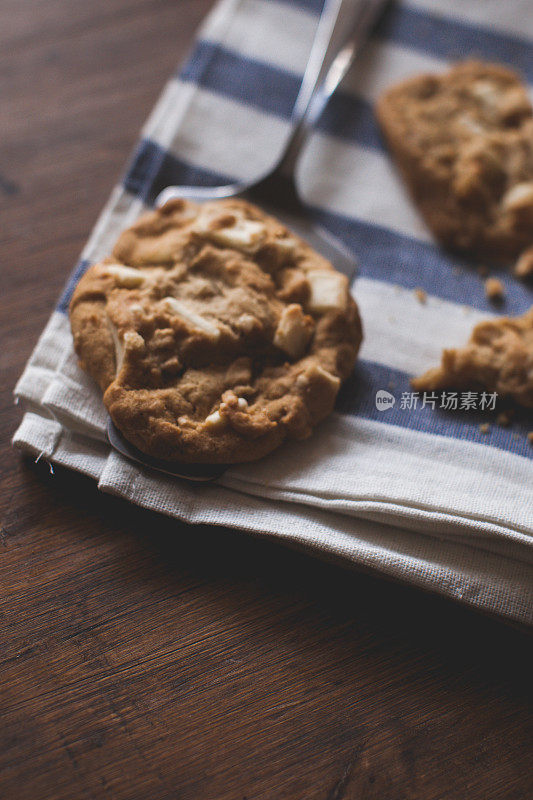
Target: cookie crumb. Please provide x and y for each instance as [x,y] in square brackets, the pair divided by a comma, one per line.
[421,295]
[483,271]
[486,360]
[495,290]
[530,437]
[524,266]
[484,427]
[504,419]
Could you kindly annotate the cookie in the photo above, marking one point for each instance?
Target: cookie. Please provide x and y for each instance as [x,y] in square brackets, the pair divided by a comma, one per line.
[214,332]
[497,358]
[463,142]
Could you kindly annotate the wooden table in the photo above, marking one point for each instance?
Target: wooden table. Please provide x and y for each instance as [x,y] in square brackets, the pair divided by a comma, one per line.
[144,659]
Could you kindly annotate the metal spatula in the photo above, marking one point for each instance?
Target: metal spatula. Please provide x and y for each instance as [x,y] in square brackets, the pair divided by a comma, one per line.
[343,29]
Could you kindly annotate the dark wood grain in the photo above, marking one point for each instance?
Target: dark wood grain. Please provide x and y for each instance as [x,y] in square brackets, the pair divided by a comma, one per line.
[144,659]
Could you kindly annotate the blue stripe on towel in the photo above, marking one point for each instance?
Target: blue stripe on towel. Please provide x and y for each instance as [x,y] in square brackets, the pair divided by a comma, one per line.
[274,91]
[350,117]
[395,258]
[63,302]
[247,80]
[152,169]
[357,398]
[445,37]
[383,254]
[452,39]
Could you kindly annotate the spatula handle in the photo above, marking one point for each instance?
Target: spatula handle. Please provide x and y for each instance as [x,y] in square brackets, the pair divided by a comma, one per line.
[342,31]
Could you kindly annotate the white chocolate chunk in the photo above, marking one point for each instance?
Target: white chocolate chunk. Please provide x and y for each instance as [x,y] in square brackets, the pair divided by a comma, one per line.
[333,381]
[287,244]
[117,344]
[242,403]
[470,125]
[245,233]
[229,228]
[247,323]
[215,420]
[293,331]
[126,277]
[486,91]
[133,340]
[197,321]
[313,372]
[209,216]
[518,197]
[207,219]
[524,265]
[329,290]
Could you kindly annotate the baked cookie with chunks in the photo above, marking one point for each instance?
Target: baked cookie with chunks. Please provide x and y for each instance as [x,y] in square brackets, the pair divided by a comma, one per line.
[498,358]
[463,142]
[214,332]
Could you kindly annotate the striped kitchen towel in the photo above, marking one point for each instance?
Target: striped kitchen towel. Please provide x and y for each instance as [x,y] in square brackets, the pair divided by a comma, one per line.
[412,490]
